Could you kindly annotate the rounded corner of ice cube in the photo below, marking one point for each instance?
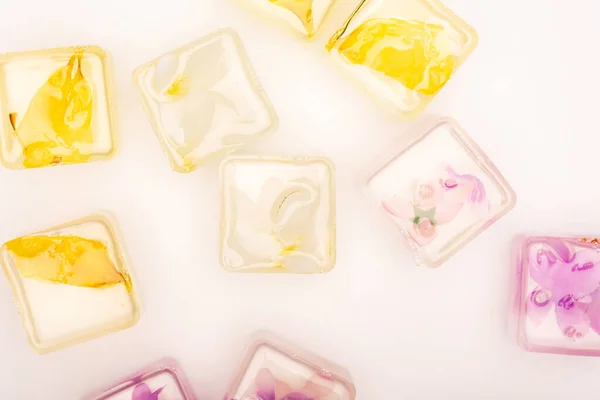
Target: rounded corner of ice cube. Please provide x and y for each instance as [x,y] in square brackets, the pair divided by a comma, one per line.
[228,31]
[95,50]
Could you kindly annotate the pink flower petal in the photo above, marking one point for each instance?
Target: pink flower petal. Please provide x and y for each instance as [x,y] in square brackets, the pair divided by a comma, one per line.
[446,211]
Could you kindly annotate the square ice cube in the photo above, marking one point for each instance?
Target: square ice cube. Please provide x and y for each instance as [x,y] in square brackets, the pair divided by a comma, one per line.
[277,215]
[70,283]
[403,52]
[204,100]
[304,16]
[162,380]
[557,294]
[55,107]
[273,369]
[440,190]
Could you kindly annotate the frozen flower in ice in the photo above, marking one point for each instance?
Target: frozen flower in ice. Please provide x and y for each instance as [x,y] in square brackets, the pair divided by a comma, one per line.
[278,228]
[438,202]
[568,282]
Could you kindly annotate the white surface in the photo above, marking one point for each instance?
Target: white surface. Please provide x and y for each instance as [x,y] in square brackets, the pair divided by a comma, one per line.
[528,96]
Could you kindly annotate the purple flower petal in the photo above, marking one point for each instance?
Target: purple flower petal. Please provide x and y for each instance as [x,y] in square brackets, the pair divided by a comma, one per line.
[450,183]
[538,305]
[266,394]
[265,385]
[560,249]
[542,262]
[593,312]
[478,195]
[580,278]
[143,392]
[572,321]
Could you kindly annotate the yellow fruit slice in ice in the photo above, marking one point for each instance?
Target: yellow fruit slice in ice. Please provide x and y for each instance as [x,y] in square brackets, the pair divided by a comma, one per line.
[407,51]
[57,124]
[302,9]
[70,260]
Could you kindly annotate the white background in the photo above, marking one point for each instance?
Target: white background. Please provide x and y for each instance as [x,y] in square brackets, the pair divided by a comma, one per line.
[528,95]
